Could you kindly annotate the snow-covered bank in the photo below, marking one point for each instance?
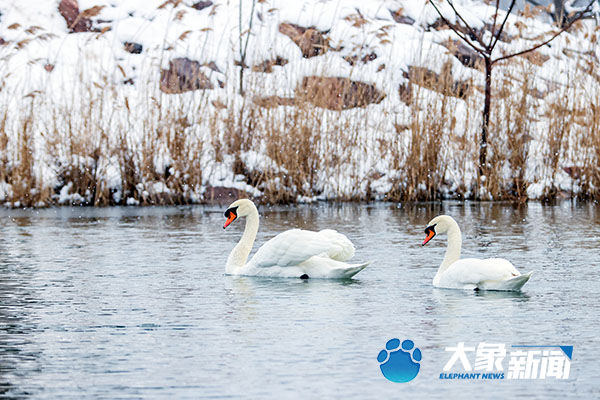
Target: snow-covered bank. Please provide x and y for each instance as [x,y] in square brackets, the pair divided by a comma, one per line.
[144,106]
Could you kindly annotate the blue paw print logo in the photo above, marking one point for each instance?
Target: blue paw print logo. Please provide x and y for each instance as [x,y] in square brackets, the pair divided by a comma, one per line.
[399,364]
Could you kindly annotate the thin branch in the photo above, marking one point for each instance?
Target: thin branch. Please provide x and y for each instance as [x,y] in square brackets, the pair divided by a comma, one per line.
[240,29]
[554,15]
[494,23]
[499,33]
[460,34]
[576,18]
[471,30]
[583,12]
[249,32]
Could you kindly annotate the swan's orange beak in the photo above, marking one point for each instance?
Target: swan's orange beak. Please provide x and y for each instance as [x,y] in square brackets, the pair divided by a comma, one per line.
[231,214]
[430,234]
[230,219]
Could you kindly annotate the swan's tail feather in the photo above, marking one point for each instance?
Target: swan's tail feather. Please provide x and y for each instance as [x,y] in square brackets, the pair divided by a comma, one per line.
[514,284]
[351,270]
[326,268]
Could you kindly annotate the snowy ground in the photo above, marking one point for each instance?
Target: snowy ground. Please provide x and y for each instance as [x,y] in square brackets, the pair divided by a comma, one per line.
[82,102]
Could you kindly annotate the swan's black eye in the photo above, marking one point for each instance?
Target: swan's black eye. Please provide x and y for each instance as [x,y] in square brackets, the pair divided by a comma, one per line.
[430,229]
[229,211]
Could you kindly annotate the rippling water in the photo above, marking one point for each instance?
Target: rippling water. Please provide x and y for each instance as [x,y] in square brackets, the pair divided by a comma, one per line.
[130,303]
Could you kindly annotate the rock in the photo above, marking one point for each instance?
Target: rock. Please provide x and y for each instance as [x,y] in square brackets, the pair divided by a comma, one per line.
[49,67]
[369,57]
[440,25]
[504,37]
[213,66]
[311,41]
[267,65]
[537,93]
[400,18]
[182,76]
[405,93]
[2,42]
[273,101]
[69,9]
[574,172]
[337,93]
[201,5]
[443,83]
[223,195]
[365,59]
[133,48]
[464,53]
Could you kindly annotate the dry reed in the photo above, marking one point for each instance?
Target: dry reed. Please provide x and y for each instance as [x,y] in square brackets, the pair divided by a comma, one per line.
[110,146]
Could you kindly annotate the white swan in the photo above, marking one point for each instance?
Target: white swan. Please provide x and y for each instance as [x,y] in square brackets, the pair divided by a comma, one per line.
[470,273]
[292,254]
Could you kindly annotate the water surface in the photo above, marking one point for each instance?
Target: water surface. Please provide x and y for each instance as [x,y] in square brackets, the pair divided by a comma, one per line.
[134,303]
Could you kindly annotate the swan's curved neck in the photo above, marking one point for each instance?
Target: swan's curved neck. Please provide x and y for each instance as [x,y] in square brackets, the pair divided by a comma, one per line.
[239,255]
[454,245]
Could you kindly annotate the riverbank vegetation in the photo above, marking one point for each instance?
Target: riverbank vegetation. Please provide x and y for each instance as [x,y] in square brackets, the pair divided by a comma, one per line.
[344,121]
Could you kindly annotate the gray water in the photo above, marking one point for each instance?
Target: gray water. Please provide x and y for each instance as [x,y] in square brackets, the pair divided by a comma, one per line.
[133,303]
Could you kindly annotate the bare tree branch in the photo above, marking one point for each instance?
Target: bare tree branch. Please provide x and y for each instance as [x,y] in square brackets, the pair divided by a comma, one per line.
[494,23]
[560,9]
[499,33]
[460,34]
[486,53]
[575,18]
[471,30]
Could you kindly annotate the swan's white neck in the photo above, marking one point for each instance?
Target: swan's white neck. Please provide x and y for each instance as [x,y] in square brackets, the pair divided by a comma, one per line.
[239,255]
[454,245]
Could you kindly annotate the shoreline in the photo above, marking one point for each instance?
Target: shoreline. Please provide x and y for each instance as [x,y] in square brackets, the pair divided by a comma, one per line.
[223,202]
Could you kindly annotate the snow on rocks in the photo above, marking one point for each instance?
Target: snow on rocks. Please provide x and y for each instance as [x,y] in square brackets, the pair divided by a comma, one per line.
[311,42]
[76,21]
[201,5]
[183,75]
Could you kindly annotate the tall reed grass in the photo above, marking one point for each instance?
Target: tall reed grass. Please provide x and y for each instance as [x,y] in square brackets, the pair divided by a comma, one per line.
[111,146]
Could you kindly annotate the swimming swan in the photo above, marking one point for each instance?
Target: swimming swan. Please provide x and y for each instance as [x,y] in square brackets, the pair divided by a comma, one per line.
[292,254]
[470,273]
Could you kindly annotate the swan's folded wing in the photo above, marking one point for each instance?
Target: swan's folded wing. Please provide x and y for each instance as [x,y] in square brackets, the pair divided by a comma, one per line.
[475,271]
[295,246]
